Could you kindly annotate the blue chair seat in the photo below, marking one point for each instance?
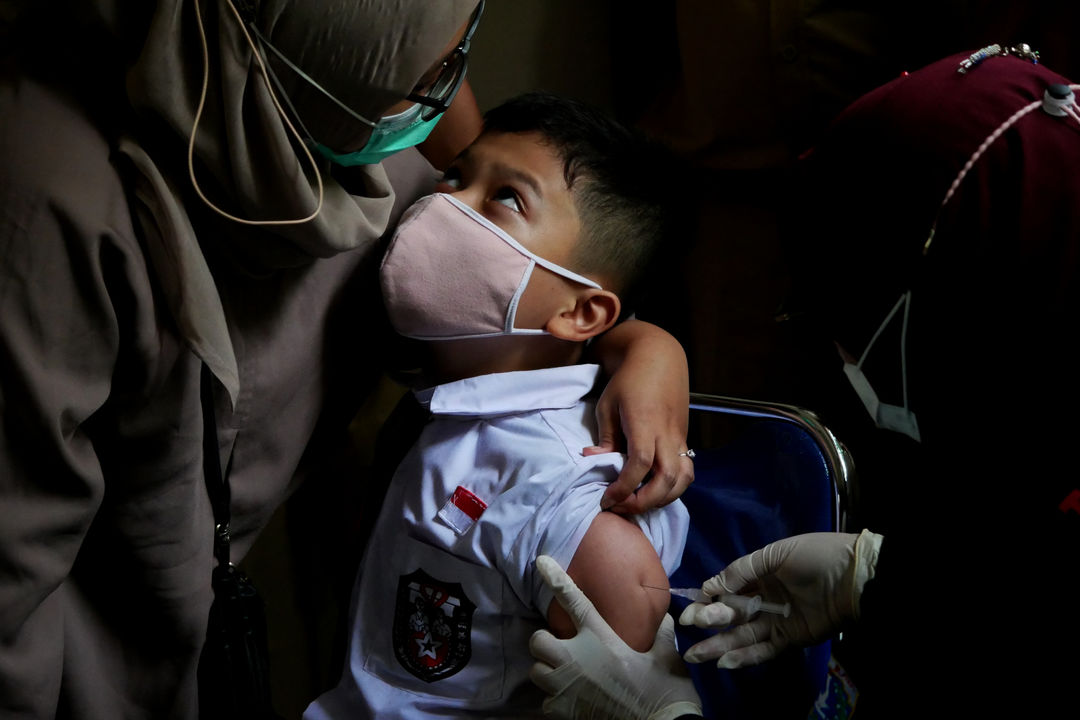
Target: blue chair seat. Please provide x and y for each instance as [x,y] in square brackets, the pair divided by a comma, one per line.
[782,474]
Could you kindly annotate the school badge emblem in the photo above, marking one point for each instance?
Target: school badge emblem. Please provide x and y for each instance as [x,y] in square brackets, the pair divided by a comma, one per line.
[432,626]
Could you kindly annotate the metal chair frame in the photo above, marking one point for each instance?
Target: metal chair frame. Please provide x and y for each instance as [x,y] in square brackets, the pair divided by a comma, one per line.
[839,461]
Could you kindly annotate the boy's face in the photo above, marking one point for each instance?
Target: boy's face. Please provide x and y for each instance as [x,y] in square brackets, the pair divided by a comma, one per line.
[516,181]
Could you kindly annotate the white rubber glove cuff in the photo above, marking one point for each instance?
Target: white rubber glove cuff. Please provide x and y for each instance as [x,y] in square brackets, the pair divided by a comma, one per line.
[867,549]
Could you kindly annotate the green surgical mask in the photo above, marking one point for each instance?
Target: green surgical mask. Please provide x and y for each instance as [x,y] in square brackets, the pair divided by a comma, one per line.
[391,134]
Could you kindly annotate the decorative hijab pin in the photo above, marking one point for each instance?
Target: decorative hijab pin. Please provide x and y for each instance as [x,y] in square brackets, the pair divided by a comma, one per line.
[1022,51]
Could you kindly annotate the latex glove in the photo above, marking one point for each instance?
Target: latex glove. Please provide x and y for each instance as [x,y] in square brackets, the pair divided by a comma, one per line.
[596,675]
[647,402]
[821,574]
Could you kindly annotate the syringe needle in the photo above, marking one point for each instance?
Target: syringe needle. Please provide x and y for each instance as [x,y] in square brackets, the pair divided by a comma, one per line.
[747,604]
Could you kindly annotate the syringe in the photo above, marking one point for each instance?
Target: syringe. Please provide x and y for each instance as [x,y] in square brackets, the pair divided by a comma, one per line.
[743,603]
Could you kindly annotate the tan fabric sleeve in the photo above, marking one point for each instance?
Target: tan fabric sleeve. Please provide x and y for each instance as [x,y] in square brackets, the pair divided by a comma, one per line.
[67,287]
[58,343]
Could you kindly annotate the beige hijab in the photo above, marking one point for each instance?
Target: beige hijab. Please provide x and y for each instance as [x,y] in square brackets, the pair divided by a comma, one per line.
[368,53]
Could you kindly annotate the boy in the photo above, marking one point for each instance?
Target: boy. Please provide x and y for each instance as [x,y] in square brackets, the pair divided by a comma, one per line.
[448,595]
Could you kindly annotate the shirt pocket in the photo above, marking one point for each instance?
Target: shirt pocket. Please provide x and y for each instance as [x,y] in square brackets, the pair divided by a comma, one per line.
[432,623]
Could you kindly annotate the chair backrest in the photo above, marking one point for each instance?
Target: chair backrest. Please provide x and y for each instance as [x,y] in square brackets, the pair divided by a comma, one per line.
[779,471]
[838,472]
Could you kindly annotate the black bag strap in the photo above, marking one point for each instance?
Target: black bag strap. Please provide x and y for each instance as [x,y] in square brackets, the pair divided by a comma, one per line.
[217,483]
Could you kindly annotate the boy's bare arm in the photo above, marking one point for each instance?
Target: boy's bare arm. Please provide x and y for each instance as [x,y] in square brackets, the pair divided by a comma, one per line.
[613,566]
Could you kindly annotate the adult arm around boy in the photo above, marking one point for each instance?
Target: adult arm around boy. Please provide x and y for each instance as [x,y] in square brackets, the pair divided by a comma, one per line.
[647,401]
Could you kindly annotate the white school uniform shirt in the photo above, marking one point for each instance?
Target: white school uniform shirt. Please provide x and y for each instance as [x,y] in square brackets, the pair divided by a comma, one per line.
[448,594]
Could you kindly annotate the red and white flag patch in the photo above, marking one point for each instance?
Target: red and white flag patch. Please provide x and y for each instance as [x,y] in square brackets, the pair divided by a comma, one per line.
[462,510]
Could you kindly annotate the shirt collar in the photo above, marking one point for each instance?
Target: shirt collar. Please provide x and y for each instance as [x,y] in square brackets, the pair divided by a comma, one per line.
[511,392]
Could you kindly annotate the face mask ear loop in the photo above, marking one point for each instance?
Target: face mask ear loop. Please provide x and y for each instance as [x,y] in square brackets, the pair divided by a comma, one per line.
[904,300]
[310,81]
[883,325]
[284,95]
[281,112]
[511,311]
[903,346]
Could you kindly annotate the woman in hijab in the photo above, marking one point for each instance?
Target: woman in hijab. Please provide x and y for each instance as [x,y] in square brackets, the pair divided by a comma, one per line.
[180,196]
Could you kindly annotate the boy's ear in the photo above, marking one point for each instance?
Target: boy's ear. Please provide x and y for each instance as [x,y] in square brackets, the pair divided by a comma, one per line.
[593,312]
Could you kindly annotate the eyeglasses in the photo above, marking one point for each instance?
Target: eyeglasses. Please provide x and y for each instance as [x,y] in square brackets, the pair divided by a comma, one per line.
[435,101]
[442,92]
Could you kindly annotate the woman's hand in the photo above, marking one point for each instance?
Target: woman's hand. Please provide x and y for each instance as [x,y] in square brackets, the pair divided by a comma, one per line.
[645,409]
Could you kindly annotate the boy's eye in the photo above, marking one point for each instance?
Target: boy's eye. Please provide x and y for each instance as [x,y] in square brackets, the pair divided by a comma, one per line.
[506,196]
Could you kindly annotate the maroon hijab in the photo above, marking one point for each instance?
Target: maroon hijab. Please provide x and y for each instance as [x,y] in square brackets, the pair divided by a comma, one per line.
[981,505]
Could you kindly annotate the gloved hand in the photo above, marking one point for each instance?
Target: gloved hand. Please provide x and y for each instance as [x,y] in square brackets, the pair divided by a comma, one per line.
[820,574]
[596,675]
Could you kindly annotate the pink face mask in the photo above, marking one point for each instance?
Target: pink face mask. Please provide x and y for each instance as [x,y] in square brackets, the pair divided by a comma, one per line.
[451,273]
